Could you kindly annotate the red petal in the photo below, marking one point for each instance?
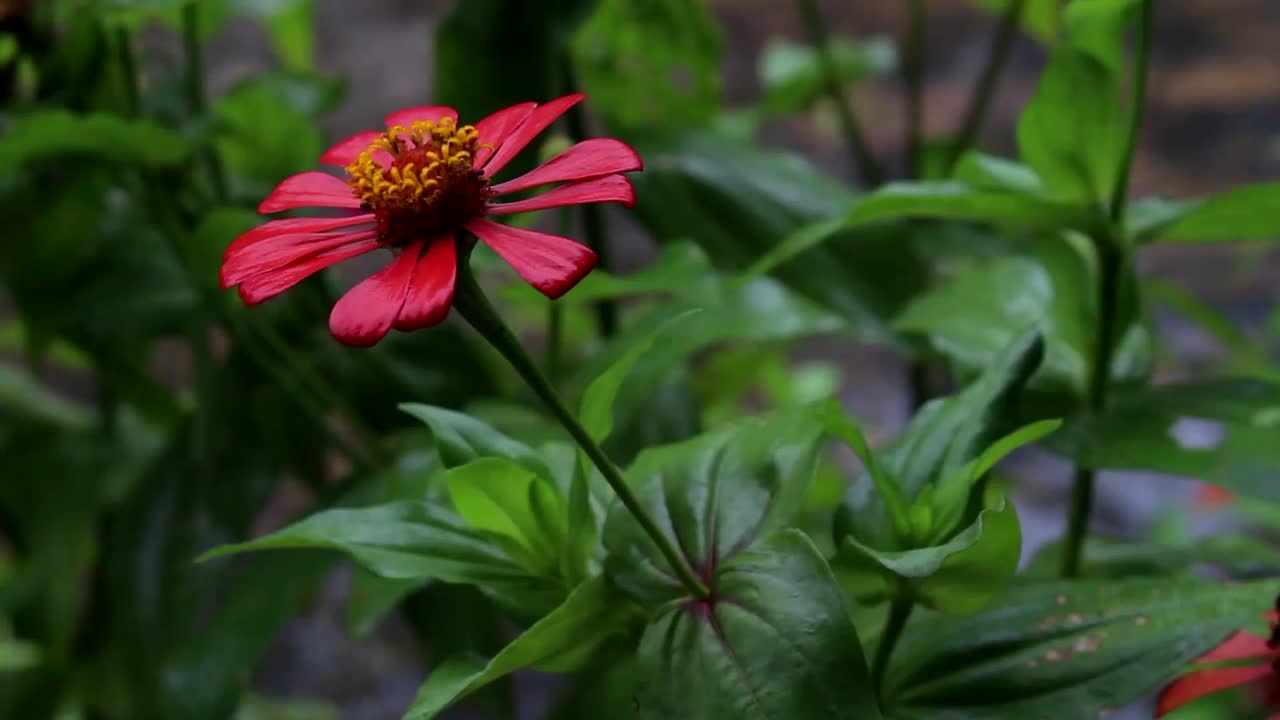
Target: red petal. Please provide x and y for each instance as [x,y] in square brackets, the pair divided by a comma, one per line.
[309,189]
[291,226]
[346,151]
[494,129]
[1209,497]
[409,116]
[550,263]
[269,284]
[365,314]
[587,159]
[1240,646]
[281,251]
[431,289]
[610,188]
[538,120]
[1199,684]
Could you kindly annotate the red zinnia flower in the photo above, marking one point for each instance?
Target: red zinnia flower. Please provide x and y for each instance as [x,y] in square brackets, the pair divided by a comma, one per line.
[1256,664]
[1212,497]
[411,189]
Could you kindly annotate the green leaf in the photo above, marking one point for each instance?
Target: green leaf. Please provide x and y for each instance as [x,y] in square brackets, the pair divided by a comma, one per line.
[739,202]
[290,25]
[775,642]
[50,134]
[1236,553]
[952,492]
[523,509]
[1041,18]
[1098,27]
[1073,130]
[1244,213]
[792,78]
[943,437]
[16,655]
[1140,430]
[1065,650]
[406,541]
[563,641]
[261,137]
[715,495]
[959,201]
[960,575]
[25,396]
[461,439]
[216,231]
[647,62]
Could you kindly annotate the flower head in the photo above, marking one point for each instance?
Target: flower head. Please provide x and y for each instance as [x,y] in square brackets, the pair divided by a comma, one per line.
[411,189]
[1244,659]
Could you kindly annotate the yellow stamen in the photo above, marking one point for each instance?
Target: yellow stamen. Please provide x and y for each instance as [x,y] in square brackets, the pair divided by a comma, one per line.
[429,157]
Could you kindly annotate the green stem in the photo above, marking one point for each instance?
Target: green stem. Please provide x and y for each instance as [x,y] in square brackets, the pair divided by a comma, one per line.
[913,80]
[129,69]
[1120,194]
[1112,259]
[865,162]
[899,612]
[194,87]
[470,301]
[988,80]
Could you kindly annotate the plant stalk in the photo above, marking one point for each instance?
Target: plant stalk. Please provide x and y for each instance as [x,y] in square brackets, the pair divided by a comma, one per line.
[899,612]
[1112,258]
[865,162]
[194,87]
[988,81]
[470,301]
[913,81]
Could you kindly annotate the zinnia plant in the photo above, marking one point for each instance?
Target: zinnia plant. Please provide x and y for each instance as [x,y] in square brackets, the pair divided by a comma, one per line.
[412,189]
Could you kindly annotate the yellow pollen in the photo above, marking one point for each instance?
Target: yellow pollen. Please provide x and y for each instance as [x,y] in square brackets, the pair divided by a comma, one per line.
[430,159]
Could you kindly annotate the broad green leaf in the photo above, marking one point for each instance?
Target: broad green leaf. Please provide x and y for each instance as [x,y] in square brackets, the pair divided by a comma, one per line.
[1245,213]
[1146,218]
[461,439]
[407,541]
[891,494]
[959,201]
[989,172]
[715,496]
[50,134]
[1155,428]
[261,137]
[1098,27]
[1065,650]
[523,509]
[739,202]
[16,655]
[563,641]
[1237,553]
[775,642]
[791,75]
[1073,130]
[960,575]
[647,62]
[1040,18]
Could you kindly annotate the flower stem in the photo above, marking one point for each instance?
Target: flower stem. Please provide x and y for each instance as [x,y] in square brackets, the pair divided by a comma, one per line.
[129,69]
[870,170]
[899,612]
[1112,260]
[470,301]
[913,81]
[988,80]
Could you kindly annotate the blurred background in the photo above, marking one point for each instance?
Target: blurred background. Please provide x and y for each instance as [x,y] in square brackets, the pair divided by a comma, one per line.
[1213,122]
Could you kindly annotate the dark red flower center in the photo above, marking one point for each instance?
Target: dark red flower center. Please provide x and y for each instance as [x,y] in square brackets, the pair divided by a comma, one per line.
[420,182]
